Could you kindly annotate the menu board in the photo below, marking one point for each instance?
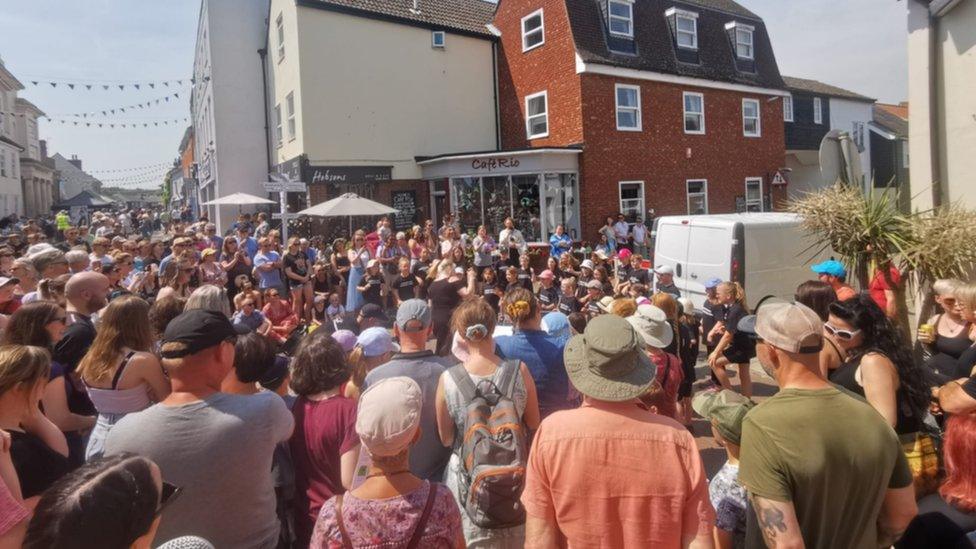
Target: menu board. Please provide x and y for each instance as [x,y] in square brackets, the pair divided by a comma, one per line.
[405,203]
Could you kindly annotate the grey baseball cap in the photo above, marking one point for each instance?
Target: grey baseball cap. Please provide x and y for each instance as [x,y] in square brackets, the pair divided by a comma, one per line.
[410,310]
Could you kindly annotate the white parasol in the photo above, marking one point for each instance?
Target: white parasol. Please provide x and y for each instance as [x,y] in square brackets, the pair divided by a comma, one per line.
[348,205]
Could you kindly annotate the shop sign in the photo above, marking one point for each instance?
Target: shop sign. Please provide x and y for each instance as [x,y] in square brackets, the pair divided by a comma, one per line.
[290,170]
[491,164]
[338,175]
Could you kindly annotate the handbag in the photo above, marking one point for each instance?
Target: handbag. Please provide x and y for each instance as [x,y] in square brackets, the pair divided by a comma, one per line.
[923,460]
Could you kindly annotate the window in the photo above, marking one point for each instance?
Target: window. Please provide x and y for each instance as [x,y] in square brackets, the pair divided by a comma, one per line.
[280,28]
[290,108]
[537,115]
[751,126]
[743,42]
[754,194]
[632,200]
[278,135]
[857,134]
[685,28]
[817,111]
[697,190]
[621,17]
[536,202]
[3,163]
[437,39]
[694,112]
[788,108]
[904,154]
[533,31]
[628,107]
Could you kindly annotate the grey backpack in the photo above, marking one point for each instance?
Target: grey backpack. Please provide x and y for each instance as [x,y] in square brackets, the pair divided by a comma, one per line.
[493,449]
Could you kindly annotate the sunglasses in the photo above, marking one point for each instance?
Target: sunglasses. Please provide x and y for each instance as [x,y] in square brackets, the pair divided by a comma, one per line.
[168,494]
[846,335]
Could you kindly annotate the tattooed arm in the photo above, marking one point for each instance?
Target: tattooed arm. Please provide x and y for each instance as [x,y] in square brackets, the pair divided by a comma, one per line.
[897,510]
[778,523]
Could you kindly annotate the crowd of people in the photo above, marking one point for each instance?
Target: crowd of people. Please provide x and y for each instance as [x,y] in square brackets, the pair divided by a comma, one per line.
[165,386]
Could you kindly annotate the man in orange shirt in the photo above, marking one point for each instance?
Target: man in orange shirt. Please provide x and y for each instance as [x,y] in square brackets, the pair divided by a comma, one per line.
[613,473]
[833,272]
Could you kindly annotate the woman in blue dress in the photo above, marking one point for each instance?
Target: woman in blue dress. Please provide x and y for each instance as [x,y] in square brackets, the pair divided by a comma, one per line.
[358,257]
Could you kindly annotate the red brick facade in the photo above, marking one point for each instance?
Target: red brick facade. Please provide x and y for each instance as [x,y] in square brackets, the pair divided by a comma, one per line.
[581,109]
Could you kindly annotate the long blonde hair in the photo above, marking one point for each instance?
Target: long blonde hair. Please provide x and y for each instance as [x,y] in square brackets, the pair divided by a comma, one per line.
[22,364]
[125,323]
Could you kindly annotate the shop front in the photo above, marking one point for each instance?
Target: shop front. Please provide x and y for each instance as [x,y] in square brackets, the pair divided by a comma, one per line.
[537,188]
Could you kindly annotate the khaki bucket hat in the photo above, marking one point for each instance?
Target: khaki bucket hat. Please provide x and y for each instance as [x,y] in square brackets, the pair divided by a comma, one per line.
[607,362]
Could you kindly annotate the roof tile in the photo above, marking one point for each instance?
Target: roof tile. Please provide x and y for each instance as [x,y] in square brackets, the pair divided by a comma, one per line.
[470,16]
[813,86]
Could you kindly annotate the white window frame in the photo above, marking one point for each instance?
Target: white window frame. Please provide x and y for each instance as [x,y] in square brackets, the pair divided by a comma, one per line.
[541,29]
[817,110]
[637,108]
[746,195]
[746,30]
[278,125]
[684,109]
[689,194]
[620,196]
[629,19]
[528,118]
[280,29]
[443,39]
[690,16]
[788,108]
[290,113]
[758,118]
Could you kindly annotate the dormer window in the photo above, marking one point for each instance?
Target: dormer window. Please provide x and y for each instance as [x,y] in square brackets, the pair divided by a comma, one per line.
[685,28]
[621,17]
[743,37]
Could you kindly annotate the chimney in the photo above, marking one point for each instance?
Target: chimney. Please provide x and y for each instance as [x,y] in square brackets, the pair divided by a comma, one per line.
[43,143]
[76,161]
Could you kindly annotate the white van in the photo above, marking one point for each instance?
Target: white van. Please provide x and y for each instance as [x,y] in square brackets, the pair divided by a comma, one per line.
[768,253]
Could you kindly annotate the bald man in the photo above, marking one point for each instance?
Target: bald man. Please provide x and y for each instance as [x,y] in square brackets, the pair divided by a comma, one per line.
[85,293]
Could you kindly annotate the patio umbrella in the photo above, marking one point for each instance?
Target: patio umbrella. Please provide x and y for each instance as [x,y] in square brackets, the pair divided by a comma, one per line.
[348,205]
[238,199]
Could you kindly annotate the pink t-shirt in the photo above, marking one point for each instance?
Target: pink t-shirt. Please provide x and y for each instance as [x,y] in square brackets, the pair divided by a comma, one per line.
[666,400]
[617,475]
[324,430]
[879,284]
[12,512]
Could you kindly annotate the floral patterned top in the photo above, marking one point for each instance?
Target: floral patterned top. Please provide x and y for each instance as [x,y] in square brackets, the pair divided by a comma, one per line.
[388,523]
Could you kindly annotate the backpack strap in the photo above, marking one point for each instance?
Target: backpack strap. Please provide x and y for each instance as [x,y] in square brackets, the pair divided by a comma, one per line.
[346,542]
[463,382]
[510,372]
[418,529]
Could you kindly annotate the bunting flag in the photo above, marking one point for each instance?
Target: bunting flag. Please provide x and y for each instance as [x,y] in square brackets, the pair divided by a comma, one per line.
[130,124]
[71,83]
[143,105]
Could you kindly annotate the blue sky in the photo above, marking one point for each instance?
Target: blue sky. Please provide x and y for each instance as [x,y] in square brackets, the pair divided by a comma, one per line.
[858,45]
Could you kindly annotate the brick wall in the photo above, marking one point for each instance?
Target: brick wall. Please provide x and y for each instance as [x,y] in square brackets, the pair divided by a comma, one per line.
[550,67]
[664,157]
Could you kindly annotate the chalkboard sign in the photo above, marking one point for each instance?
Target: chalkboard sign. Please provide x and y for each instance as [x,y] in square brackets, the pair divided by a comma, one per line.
[405,202]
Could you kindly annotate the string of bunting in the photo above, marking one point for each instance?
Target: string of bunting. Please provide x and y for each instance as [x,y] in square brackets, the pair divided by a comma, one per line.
[134,169]
[75,84]
[93,124]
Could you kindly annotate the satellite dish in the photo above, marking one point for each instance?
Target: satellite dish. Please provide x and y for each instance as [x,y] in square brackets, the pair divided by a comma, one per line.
[840,159]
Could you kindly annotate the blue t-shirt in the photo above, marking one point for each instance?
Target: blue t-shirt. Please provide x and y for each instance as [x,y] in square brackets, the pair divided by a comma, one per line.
[250,246]
[270,278]
[543,356]
[252,321]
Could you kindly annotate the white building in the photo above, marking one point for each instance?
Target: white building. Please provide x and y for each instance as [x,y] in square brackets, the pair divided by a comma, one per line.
[227,103]
[36,171]
[359,91]
[11,195]
[941,85]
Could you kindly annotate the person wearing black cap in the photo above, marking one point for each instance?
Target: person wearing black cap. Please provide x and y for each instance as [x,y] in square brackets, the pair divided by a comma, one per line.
[218,446]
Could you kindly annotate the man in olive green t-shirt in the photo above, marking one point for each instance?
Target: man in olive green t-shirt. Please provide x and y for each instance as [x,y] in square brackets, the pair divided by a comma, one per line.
[822,467]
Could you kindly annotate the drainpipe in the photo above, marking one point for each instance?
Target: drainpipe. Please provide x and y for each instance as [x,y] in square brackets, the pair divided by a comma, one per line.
[935,104]
[263,53]
[494,83]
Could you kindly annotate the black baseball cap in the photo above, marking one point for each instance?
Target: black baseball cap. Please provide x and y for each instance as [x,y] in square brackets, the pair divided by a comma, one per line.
[372,310]
[198,330]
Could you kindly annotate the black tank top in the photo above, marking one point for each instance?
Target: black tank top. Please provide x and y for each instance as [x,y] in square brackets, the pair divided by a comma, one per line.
[906,420]
[953,346]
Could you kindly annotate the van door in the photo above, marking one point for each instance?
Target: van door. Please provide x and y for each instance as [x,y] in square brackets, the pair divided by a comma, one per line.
[709,256]
[671,245]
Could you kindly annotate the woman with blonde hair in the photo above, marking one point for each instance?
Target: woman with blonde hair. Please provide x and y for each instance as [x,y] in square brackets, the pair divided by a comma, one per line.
[734,347]
[444,294]
[121,373]
[174,279]
[358,257]
[474,321]
[38,448]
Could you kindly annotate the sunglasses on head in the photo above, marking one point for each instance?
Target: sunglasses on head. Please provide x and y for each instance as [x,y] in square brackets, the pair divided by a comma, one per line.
[846,335]
[167,495]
